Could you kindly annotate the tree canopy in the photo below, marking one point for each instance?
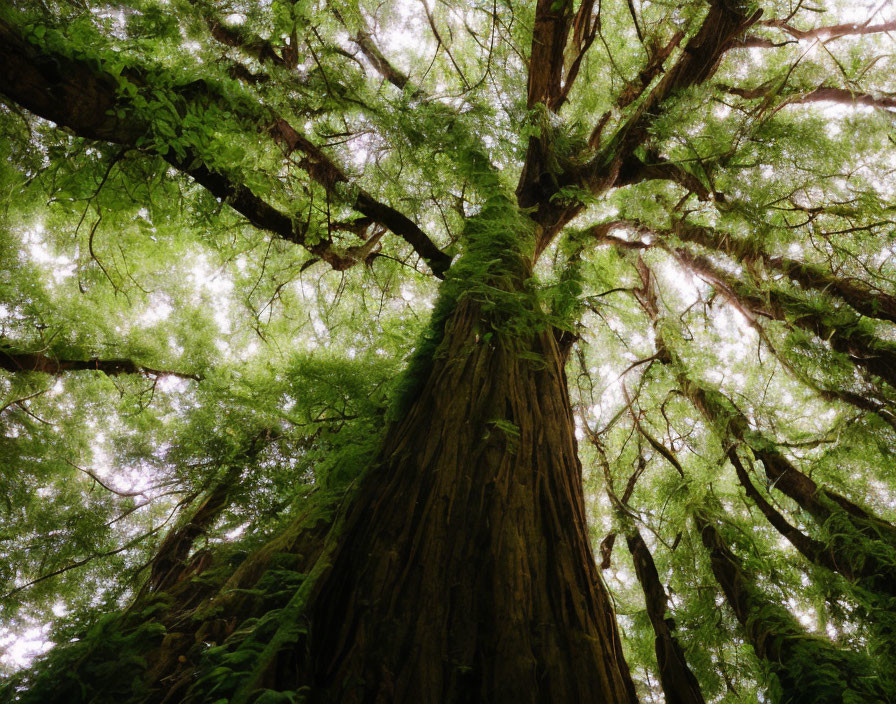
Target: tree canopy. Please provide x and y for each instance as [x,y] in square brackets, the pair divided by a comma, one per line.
[232,233]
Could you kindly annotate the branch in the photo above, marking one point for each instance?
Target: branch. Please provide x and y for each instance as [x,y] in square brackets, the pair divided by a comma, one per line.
[824,34]
[73,94]
[678,682]
[863,297]
[813,550]
[830,94]
[83,561]
[585,26]
[17,362]
[634,170]
[365,40]
[323,170]
[365,43]
[697,62]
[832,31]
[837,393]
[549,35]
[236,37]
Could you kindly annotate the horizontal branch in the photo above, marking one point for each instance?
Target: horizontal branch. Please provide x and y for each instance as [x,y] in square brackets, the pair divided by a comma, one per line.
[860,295]
[831,31]
[826,94]
[634,170]
[863,297]
[826,33]
[17,362]
[848,337]
[602,234]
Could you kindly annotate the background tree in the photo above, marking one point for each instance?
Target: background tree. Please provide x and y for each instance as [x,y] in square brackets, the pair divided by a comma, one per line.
[290,296]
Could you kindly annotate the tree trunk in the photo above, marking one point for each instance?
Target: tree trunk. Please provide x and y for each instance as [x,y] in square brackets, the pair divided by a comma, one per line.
[464,573]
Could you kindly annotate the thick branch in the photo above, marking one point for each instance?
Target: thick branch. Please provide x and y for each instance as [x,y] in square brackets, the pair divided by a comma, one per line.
[383,66]
[733,427]
[13,361]
[831,31]
[809,668]
[646,75]
[828,33]
[585,26]
[861,296]
[633,171]
[254,46]
[678,682]
[75,95]
[813,550]
[745,251]
[846,336]
[553,20]
[698,62]
[170,564]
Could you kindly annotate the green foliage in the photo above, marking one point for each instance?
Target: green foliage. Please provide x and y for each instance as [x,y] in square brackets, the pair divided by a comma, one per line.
[106,661]
[287,372]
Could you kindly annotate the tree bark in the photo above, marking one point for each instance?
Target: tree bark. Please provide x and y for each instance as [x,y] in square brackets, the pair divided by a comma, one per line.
[678,682]
[465,572]
[460,570]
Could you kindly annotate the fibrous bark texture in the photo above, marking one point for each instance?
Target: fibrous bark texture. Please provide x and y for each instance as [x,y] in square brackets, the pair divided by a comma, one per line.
[465,573]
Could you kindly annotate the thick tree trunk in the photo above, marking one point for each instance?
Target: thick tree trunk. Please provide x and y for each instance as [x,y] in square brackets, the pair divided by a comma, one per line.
[465,573]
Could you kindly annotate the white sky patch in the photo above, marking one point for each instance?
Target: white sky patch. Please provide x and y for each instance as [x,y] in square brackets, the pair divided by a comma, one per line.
[171,384]
[236,532]
[740,337]
[410,32]
[124,479]
[19,648]
[158,310]
[687,285]
[861,11]
[38,251]
[213,290]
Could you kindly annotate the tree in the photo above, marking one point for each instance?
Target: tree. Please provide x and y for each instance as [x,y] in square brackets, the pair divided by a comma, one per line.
[226,225]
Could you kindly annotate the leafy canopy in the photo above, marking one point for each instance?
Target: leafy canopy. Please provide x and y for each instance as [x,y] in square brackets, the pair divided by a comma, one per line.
[222,239]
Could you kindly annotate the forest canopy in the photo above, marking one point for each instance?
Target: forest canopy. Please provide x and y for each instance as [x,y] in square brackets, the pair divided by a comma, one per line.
[423,350]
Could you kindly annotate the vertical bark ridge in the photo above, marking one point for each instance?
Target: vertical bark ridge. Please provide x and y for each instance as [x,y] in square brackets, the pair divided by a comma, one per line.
[459,515]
